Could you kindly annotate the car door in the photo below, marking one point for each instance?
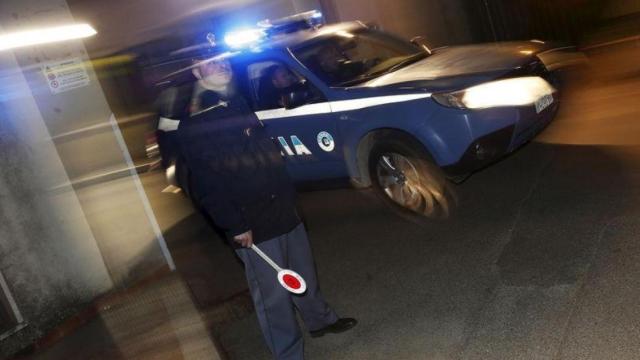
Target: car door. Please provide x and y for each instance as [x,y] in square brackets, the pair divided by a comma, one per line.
[306,134]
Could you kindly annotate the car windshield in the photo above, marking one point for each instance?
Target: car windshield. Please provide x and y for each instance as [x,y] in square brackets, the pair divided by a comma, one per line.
[350,57]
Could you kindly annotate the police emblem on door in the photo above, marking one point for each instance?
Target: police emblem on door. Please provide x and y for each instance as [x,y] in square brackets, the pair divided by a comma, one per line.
[325,141]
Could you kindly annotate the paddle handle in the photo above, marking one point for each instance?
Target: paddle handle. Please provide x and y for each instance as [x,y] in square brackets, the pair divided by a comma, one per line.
[266,258]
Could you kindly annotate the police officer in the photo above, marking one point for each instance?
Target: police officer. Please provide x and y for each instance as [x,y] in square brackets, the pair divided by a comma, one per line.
[243,185]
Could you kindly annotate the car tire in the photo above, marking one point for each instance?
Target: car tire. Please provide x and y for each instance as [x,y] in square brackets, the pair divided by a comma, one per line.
[406,178]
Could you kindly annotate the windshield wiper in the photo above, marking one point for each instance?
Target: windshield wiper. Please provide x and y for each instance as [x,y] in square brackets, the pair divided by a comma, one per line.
[409,60]
[359,79]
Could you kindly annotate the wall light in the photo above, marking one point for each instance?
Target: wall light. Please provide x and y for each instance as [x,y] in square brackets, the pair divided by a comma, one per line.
[45,35]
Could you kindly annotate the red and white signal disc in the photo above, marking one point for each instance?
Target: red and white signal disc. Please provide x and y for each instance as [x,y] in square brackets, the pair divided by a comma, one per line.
[292,281]
[289,279]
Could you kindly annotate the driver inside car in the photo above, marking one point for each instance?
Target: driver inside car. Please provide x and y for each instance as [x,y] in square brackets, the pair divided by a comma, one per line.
[334,67]
[277,82]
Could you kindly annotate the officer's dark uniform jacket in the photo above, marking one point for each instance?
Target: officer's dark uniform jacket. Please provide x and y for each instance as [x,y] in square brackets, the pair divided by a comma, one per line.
[238,174]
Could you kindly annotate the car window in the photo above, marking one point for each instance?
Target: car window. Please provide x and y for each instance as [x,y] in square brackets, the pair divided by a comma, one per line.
[345,57]
[267,82]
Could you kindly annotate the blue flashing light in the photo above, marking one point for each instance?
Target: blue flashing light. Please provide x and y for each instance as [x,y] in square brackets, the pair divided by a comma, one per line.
[251,37]
[244,37]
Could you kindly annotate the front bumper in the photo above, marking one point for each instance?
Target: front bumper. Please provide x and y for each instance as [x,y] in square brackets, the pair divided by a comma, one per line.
[482,152]
[495,145]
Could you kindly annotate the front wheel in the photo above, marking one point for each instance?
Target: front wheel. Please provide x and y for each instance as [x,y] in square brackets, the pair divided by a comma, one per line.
[403,174]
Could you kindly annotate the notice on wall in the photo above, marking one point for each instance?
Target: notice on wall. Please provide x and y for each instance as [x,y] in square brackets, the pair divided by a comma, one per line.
[65,75]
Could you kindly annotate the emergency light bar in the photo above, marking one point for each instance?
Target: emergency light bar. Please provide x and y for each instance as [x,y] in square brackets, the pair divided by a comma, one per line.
[245,37]
[307,20]
[313,17]
[270,28]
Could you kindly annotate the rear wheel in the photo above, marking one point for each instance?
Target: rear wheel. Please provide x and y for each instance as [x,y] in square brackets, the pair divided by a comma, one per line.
[403,174]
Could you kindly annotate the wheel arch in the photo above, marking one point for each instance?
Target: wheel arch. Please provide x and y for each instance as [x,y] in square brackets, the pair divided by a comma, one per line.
[359,159]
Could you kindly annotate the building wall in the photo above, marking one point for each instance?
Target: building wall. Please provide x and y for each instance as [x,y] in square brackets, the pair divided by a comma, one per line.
[442,22]
[621,8]
[48,254]
[563,22]
[63,241]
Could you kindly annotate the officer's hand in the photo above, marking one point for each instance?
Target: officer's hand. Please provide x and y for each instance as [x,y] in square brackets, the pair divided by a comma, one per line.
[244,239]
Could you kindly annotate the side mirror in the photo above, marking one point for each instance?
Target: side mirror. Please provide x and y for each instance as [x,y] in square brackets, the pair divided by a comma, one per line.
[421,42]
[295,98]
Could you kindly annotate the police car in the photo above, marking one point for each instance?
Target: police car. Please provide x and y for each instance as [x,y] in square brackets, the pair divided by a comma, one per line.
[387,113]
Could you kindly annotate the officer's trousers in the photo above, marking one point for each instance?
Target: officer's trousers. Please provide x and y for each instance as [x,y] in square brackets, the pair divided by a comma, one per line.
[275,305]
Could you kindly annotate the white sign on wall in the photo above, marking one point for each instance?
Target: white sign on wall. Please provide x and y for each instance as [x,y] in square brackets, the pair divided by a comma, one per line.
[65,75]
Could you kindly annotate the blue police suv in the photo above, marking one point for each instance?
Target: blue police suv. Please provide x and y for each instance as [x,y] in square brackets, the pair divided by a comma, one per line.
[348,101]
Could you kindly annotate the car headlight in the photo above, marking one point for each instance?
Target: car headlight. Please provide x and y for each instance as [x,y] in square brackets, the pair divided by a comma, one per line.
[510,92]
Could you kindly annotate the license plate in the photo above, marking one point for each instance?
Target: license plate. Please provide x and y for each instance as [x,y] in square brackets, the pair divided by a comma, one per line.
[543,103]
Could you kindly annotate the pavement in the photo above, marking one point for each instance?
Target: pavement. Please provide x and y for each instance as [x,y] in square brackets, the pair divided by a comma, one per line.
[159,321]
[539,261]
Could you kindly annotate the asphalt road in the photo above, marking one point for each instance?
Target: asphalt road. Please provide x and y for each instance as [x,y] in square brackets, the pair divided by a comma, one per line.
[540,260]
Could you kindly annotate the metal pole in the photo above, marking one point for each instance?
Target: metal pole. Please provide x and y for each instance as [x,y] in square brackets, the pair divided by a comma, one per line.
[143,196]
[266,258]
